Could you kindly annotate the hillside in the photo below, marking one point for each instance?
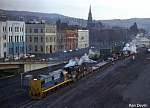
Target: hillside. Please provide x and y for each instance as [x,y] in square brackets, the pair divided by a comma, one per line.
[141,22]
[53,17]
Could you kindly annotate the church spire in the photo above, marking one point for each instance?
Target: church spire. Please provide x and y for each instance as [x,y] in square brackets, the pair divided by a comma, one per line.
[89,22]
[90,15]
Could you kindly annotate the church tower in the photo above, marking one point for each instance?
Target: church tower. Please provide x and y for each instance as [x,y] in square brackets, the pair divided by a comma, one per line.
[89,22]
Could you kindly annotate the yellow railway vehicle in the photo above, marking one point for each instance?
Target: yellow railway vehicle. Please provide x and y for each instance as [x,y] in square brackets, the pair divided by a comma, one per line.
[44,84]
[37,92]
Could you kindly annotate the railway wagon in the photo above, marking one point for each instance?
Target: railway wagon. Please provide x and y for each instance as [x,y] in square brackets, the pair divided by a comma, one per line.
[26,81]
[77,72]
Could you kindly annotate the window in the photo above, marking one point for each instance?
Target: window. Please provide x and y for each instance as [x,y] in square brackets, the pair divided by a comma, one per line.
[36,47]
[46,48]
[41,39]
[9,29]
[85,45]
[35,30]
[47,39]
[4,45]
[17,38]
[16,29]
[22,39]
[54,39]
[36,39]
[51,39]
[31,30]
[82,38]
[50,48]
[50,30]
[30,48]
[42,30]
[26,39]
[54,47]
[9,50]
[30,39]
[4,37]
[21,49]
[47,30]
[41,48]
[16,49]
[11,38]
[3,29]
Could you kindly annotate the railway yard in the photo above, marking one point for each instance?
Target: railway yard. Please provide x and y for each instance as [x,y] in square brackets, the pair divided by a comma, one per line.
[124,82]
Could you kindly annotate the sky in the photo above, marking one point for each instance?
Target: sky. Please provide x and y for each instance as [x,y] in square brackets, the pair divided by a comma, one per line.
[101,9]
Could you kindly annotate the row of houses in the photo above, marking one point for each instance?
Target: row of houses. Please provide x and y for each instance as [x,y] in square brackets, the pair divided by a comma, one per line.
[18,38]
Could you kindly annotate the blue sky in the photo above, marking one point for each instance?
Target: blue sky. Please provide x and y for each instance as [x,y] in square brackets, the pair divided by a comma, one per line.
[101,9]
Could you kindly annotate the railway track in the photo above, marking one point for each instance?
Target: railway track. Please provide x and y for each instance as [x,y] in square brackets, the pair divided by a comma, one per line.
[105,85]
[106,82]
[10,87]
[26,104]
[46,100]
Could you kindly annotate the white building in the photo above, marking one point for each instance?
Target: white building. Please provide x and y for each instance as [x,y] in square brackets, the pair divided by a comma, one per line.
[83,39]
[41,38]
[142,41]
[12,39]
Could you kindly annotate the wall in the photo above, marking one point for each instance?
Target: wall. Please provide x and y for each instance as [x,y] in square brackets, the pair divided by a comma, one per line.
[83,39]
[12,36]
[71,39]
[45,31]
[30,66]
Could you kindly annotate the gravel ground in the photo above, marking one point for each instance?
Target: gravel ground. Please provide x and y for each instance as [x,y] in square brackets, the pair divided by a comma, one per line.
[11,94]
[116,87]
[138,91]
[126,82]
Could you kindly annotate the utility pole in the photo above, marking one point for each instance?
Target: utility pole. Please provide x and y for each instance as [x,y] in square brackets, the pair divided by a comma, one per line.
[21,77]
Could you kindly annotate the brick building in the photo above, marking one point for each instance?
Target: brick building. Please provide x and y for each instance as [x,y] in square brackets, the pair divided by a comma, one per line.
[71,39]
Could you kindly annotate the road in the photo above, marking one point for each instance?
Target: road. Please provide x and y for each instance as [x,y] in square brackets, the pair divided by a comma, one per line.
[126,82]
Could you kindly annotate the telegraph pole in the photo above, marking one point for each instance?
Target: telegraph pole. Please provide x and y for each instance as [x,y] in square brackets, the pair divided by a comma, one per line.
[21,77]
